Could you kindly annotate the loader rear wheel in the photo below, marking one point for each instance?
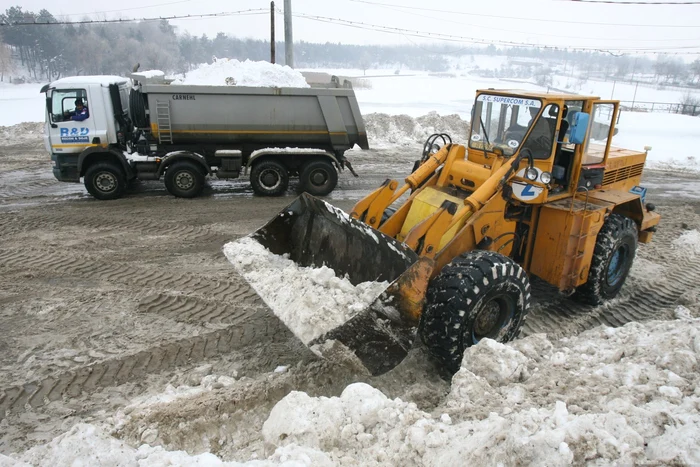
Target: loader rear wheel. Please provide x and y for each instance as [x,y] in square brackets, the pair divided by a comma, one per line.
[318,178]
[480,294]
[614,253]
[269,178]
[105,180]
[184,180]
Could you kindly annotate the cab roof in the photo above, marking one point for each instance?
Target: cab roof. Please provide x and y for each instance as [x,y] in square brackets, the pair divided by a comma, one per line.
[103,80]
[538,95]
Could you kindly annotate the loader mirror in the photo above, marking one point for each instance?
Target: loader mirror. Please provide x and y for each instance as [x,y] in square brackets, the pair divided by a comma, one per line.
[579,126]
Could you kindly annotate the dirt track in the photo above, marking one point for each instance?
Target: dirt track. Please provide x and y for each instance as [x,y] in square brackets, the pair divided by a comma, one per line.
[101,300]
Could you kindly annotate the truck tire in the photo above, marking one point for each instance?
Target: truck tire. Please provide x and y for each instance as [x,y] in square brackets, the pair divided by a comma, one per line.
[105,180]
[269,178]
[480,294]
[184,179]
[614,253]
[318,177]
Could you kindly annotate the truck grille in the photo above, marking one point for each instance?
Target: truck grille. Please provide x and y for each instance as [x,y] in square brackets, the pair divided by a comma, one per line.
[623,173]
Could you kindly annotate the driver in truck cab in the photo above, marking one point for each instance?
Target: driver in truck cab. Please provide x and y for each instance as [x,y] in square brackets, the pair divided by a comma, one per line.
[80,113]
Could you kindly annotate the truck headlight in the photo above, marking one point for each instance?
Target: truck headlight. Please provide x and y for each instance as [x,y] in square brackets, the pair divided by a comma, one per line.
[531,174]
[546,177]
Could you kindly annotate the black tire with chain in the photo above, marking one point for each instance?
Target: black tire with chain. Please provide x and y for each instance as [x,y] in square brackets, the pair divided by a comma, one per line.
[615,248]
[480,294]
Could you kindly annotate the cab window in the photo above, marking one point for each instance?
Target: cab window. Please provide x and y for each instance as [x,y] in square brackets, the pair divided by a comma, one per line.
[501,122]
[598,133]
[63,103]
[541,139]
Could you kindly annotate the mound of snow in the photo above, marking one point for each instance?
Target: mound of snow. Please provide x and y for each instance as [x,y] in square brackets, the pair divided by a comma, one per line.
[232,72]
[146,74]
[628,395]
[689,243]
[389,130]
[21,133]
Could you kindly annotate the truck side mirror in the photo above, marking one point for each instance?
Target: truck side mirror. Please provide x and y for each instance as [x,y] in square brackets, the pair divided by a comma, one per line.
[579,126]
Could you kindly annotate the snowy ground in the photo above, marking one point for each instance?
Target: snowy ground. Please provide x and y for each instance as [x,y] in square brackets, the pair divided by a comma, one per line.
[626,395]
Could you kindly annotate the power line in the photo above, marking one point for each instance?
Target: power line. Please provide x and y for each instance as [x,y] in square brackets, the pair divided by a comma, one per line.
[531,33]
[250,12]
[455,38]
[122,9]
[558,21]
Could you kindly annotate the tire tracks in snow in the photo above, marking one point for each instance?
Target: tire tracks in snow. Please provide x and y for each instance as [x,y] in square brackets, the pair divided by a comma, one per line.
[559,316]
[253,327]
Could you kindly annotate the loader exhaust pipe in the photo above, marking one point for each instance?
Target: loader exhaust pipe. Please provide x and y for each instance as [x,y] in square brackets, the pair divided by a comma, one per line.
[316,236]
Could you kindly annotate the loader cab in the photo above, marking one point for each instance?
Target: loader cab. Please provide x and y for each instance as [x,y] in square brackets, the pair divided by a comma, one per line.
[567,135]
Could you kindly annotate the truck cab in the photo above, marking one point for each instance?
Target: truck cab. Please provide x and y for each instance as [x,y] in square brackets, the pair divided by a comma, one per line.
[66,137]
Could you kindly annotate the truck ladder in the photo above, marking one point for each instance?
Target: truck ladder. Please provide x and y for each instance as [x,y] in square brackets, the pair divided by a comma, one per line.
[165,131]
[576,257]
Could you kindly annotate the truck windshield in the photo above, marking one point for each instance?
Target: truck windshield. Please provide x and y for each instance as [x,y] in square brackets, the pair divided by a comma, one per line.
[501,122]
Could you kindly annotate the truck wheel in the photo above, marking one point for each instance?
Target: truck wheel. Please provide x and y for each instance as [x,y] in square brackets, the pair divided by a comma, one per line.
[269,178]
[318,178]
[614,253]
[480,294]
[105,180]
[184,179]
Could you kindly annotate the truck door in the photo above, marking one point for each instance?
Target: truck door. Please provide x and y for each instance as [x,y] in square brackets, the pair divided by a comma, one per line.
[71,129]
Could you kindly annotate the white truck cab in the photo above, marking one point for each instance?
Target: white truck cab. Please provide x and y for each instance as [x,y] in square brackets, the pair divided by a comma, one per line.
[66,138]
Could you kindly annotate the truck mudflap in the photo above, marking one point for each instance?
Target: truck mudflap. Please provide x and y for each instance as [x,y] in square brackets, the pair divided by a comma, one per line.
[314,235]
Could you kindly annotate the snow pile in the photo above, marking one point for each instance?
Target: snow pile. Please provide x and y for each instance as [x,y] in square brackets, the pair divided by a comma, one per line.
[389,130]
[232,72]
[310,301]
[146,74]
[86,444]
[689,243]
[628,395]
[22,133]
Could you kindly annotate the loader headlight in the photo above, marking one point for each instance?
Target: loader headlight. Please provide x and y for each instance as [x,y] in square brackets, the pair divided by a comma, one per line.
[531,174]
[546,177]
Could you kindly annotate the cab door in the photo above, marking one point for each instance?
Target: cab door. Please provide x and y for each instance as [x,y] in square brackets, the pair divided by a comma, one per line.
[68,136]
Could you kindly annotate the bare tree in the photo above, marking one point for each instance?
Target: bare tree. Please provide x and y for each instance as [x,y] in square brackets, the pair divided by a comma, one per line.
[6,65]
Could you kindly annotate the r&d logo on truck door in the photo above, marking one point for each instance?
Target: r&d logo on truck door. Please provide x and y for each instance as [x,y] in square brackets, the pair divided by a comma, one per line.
[75,135]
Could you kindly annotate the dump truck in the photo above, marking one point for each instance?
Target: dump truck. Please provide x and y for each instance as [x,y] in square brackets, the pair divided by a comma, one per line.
[538,191]
[148,128]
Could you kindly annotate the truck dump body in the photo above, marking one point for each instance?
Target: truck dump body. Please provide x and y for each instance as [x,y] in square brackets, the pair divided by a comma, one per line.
[279,117]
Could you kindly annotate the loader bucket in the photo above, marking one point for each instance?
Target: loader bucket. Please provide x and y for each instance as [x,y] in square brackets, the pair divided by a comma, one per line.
[311,234]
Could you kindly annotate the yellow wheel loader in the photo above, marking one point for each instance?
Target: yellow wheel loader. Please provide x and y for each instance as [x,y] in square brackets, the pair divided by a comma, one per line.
[538,191]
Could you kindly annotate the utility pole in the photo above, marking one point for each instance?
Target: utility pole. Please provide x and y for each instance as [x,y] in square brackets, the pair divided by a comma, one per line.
[272,32]
[288,41]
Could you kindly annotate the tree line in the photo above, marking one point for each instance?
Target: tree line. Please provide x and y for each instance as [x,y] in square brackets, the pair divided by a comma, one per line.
[48,52]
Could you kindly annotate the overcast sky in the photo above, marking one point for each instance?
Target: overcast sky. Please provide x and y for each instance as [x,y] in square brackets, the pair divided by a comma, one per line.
[660,27]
